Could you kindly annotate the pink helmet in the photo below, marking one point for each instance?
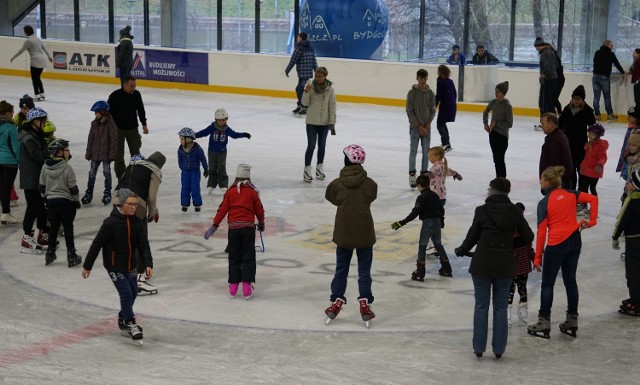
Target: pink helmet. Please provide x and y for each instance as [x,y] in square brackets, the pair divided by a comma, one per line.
[355,153]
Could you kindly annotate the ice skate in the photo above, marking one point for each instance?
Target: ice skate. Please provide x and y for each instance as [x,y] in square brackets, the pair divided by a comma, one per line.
[412,179]
[135,332]
[184,209]
[320,172]
[570,326]
[365,312]
[540,329]
[509,315]
[445,269]
[87,198]
[478,355]
[629,308]
[447,147]
[302,112]
[210,190]
[247,290]
[43,239]
[431,251]
[50,256]
[8,219]
[233,289]
[523,312]
[145,287]
[223,190]
[332,311]
[537,127]
[419,273]
[73,259]
[197,209]
[106,198]
[297,110]
[28,245]
[306,175]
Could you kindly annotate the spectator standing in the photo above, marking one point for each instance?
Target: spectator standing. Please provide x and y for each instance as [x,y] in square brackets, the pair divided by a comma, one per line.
[124,55]
[38,56]
[548,77]
[304,58]
[634,71]
[603,59]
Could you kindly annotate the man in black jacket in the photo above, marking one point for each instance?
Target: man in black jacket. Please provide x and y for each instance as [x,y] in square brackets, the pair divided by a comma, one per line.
[483,57]
[126,107]
[555,150]
[603,59]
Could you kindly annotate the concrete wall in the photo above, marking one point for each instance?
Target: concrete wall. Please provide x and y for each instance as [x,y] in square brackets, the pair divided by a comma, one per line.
[358,81]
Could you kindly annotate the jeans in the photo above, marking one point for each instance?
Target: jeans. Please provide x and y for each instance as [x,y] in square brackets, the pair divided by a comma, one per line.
[343,260]
[300,89]
[564,255]
[242,255]
[319,134]
[632,268]
[218,170]
[559,87]
[134,141]
[190,181]
[431,229]
[444,133]
[106,172]
[602,84]
[425,142]
[499,144]
[482,291]
[548,97]
[38,88]
[127,286]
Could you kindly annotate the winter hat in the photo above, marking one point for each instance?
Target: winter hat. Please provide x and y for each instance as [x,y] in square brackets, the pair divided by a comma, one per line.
[634,112]
[157,158]
[634,140]
[597,129]
[26,101]
[503,87]
[244,171]
[580,92]
[520,206]
[123,195]
[539,42]
[126,31]
[635,179]
[354,154]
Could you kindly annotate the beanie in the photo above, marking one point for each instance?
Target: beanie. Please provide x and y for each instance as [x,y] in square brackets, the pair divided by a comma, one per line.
[27,101]
[157,158]
[244,171]
[634,112]
[539,42]
[503,87]
[635,179]
[580,92]
[123,194]
[520,206]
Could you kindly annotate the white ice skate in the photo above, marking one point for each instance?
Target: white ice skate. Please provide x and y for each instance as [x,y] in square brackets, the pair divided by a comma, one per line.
[145,287]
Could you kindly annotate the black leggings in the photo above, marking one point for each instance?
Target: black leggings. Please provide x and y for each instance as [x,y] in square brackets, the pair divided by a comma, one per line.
[586,183]
[35,209]
[62,214]
[7,177]
[499,144]
[521,282]
[38,88]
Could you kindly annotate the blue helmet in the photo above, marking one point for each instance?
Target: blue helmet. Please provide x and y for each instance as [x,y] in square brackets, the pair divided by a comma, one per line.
[187,133]
[100,106]
[36,113]
[136,157]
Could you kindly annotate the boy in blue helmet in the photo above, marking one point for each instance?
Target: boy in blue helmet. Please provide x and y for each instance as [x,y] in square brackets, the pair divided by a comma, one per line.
[101,149]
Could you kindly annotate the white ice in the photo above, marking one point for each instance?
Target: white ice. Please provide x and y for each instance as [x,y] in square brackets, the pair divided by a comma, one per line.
[57,328]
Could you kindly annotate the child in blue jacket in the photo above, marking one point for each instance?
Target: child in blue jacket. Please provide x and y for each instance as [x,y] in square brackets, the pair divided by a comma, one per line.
[190,156]
[219,134]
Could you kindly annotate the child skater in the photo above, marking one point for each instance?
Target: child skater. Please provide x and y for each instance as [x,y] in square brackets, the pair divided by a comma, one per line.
[102,145]
[523,254]
[498,129]
[592,166]
[59,189]
[352,193]
[429,209]
[439,172]
[628,222]
[190,156]
[219,133]
[633,128]
[629,160]
[119,236]
[446,100]
[242,204]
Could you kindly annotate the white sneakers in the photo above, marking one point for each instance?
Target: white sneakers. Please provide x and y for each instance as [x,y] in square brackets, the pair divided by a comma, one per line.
[8,219]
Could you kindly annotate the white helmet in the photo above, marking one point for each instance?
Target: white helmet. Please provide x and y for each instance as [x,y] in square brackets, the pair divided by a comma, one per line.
[221,113]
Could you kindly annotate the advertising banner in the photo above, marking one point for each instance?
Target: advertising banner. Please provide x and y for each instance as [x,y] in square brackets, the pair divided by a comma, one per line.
[82,60]
[170,66]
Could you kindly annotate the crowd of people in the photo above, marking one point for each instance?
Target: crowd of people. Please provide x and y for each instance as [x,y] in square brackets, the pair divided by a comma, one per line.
[499,240]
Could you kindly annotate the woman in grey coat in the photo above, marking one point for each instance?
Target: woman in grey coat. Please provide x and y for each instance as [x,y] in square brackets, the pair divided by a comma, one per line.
[38,55]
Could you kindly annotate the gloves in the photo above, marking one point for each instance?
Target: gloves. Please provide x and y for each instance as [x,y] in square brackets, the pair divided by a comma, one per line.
[260,227]
[210,231]
[332,128]
[396,225]
[457,176]
[599,168]
[442,222]
[247,135]
[78,205]
[615,244]
[205,173]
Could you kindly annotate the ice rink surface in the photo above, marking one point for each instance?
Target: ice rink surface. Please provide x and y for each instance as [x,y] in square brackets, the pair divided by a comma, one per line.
[57,328]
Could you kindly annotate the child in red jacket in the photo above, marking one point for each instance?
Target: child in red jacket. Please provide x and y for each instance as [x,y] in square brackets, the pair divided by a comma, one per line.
[592,166]
[242,204]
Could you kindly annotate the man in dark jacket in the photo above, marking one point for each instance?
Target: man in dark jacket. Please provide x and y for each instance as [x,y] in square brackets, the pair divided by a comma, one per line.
[124,58]
[304,58]
[603,59]
[555,150]
[548,77]
[483,57]
[126,108]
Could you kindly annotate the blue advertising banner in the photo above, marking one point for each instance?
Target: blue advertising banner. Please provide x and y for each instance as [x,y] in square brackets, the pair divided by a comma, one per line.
[170,66]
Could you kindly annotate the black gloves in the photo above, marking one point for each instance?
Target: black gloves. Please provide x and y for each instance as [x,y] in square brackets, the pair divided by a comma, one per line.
[247,135]
[260,227]
[332,128]
[205,173]
[78,204]
[442,222]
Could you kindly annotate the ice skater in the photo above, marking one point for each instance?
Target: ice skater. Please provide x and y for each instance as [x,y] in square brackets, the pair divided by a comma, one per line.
[304,58]
[120,234]
[498,130]
[523,254]
[421,109]
[592,166]
[352,193]
[439,172]
[190,157]
[9,160]
[446,101]
[242,206]
[38,56]
[102,146]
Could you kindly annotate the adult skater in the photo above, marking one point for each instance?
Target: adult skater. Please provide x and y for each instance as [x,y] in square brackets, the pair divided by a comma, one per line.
[38,56]
[119,235]
[446,100]
[304,58]
[548,77]
[9,160]
[557,220]
[421,109]
[555,150]
[124,56]
[126,107]
[492,266]
[603,59]
[483,57]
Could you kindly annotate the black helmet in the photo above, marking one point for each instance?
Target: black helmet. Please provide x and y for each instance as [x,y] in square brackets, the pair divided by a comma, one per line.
[57,145]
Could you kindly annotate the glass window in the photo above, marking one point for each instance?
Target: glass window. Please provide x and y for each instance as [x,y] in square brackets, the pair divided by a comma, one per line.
[628,38]
[238,25]
[275,25]
[129,12]
[60,19]
[401,43]
[202,25]
[32,19]
[94,21]
[155,37]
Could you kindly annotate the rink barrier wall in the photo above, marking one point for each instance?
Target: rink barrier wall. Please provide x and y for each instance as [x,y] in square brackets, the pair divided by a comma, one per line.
[356,81]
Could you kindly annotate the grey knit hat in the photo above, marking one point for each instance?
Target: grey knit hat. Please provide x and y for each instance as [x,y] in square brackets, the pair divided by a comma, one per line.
[538,42]
[244,171]
[123,195]
[503,87]
[157,158]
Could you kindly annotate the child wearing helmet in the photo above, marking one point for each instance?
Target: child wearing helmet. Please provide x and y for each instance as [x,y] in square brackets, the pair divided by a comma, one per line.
[58,187]
[219,133]
[592,166]
[190,157]
[33,153]
[102,145]
[352,193]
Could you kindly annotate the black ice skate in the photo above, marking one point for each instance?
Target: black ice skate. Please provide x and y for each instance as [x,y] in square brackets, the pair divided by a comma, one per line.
[540,329]
[445,269]
[419,273]
[135,332]
[106,198]
[365,311]
[50,256]
[73,259]
[87,198]
[570,326]
[333,310]
[629,308]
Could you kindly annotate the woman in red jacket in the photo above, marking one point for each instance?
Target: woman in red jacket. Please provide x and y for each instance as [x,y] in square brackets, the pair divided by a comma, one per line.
[557,219]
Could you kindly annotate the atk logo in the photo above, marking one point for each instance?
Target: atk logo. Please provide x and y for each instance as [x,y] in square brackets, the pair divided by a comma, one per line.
[138,69]
[81,62]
